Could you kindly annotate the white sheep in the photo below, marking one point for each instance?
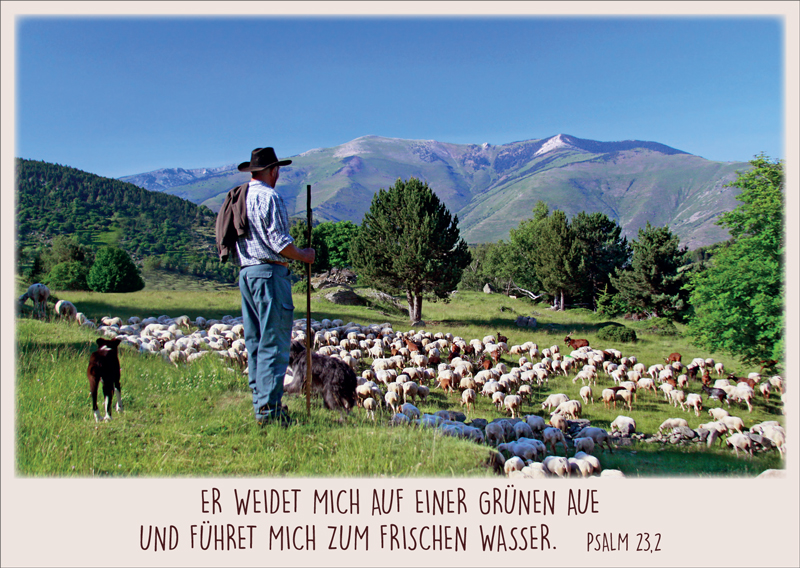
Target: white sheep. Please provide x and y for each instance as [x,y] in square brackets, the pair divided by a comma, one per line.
[512,403]
[590,459]
[740,442]
[624,425]
[556,465]
[570,409]
[67,310]
[370,405]
[513,464]
[586,394]
[626,397]
[468,399]
[552,436]
[583,445]
[599,436]
[495,434]
[558,421]
[694,400]
[671,423]
[718,413]
[391,399]
[554,400]
[733,423]
[39,293]
[578,467]
[678,397]
[536,423]
[410,389]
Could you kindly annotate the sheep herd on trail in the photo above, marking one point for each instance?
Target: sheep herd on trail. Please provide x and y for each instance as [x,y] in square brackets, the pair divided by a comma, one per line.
[398,370]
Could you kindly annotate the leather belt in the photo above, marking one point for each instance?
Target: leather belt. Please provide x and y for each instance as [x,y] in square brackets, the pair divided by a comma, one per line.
[284,264]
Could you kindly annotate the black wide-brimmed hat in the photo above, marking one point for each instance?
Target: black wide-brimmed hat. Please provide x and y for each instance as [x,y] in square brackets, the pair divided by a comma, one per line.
[261,159]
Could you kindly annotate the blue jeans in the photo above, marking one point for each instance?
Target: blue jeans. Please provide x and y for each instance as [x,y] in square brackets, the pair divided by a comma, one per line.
[267,312]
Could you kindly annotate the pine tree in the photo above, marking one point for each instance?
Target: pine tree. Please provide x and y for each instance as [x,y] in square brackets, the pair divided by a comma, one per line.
[653,284]
[408,242]
[548,245]
[601,250]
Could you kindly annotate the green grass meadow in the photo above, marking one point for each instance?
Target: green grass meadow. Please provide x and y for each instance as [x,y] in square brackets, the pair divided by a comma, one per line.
[197,419]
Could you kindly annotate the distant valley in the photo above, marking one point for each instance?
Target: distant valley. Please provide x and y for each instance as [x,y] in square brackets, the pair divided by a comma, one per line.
[493,188]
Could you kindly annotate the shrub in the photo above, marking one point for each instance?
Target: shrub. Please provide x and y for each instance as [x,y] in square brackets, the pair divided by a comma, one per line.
[658,326]
[114,271]
[616,332]
[70,275]
[301,287]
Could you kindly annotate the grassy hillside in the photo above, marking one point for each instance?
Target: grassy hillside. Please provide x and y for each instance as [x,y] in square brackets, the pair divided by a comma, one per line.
[58,200]
[197,419]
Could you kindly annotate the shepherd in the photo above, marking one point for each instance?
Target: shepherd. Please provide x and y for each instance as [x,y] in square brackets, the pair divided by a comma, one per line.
[264,247]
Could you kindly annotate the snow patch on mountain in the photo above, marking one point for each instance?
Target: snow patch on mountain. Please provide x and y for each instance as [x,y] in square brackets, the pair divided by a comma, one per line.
[554,143]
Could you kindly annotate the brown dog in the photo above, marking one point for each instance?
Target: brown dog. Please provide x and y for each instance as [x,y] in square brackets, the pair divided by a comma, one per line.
[104,368]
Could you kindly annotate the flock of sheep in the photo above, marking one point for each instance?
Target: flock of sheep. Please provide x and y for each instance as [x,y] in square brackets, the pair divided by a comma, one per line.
[397,369]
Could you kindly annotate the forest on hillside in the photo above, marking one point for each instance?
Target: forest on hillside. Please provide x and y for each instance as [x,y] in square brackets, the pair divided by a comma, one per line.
[155,229]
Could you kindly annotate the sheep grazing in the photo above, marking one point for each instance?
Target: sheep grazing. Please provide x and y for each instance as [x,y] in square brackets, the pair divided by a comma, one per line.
[718,413]
[468,399]
[678,397]
[558,421]
[554,400]
[513,464]
[583,445]
[552,436]
[740,442]
[586,394]
[536,423]
[370,405]
[523,430]
[392,400]
[695,401]
[66,310]
[495,434]
[598,435]
[39,293]
[673,357]
[625,425]
[557,466]
[570,409]
[671,423]
[512,403]
[626,397]
[410,389]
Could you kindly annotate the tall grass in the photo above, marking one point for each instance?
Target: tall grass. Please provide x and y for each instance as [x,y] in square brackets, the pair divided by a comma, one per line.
[197,420]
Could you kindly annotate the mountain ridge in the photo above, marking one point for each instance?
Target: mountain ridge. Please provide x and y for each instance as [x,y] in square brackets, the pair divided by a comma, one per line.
[491,188]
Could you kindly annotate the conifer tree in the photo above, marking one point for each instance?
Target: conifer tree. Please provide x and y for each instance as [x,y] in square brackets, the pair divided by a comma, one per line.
[601,250]
[408,242]
[653,284]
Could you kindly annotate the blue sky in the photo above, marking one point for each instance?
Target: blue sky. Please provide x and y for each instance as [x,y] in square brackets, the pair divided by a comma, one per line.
[119,96]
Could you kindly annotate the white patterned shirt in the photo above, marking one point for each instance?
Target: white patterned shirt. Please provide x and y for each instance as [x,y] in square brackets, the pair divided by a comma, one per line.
[268,226]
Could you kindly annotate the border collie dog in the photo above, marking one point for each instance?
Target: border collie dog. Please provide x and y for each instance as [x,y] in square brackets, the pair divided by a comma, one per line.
[104,368]
[331,377]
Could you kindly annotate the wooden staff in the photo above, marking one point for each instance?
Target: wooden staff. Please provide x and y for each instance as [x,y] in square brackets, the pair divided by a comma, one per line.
[309,330]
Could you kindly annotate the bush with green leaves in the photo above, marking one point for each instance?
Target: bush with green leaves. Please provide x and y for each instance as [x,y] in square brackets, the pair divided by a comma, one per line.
[301,287]
[618,333]
[69,275]
[658,326]
[739,300]
[114,271]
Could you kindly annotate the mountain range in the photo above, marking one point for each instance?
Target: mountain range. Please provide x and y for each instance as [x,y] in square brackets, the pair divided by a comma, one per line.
[491,188]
